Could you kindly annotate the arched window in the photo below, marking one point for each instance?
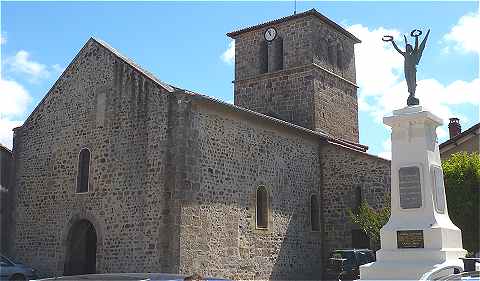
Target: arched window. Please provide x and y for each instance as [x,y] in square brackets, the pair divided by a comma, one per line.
[262,207]
[314,213]
[83,170]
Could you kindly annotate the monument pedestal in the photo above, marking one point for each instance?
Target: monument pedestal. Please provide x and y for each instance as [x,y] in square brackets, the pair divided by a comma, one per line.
[419,235]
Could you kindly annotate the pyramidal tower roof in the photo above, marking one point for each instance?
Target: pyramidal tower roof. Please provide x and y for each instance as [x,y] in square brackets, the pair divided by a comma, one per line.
[311,12]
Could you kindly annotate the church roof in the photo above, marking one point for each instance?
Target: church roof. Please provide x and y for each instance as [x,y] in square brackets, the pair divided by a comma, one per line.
[311,12]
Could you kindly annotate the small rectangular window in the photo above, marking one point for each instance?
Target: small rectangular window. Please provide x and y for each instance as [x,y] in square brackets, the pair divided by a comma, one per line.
[262,208]
[314,213]
[83,170]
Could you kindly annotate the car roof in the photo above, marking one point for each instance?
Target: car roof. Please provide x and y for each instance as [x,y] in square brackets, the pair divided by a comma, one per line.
[125,277]
[352,250]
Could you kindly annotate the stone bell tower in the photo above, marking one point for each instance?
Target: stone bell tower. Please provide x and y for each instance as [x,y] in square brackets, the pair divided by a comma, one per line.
[300,69]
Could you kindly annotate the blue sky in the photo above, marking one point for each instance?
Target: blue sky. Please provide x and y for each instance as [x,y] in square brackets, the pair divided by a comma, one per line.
[183,43]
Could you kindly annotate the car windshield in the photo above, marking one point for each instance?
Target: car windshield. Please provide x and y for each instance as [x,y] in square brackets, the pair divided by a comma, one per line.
[8,260]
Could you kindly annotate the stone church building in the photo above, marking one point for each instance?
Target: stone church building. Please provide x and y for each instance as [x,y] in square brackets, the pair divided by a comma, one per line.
[117,171]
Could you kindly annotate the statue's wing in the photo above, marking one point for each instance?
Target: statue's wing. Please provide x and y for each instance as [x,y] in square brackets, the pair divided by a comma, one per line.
[421,47]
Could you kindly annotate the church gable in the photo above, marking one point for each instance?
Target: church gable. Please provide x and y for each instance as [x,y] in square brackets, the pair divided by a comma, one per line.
[94,67]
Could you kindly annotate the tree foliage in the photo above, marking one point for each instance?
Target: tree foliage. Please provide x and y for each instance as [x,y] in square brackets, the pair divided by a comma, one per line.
[370,220]
[462,187]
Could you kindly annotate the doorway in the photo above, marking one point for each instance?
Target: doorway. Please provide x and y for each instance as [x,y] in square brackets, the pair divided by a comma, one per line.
[81,255]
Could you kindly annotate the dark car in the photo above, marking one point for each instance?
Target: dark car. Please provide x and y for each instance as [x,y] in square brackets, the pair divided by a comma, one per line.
[344,264]
[11,270]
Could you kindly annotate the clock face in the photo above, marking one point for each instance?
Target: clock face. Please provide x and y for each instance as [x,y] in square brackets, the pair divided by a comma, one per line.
[270,34]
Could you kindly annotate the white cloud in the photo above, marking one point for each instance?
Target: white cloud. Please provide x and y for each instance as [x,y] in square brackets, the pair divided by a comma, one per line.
[21,63]
[57,68]
[464,35]
[229,55]
[433,95]
[14,97]
[387,149]
[6,133]
[15,100]
[378,65]
[3,39]
[383,87]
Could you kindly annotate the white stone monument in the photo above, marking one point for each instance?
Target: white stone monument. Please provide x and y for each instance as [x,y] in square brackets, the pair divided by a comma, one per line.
[419,235]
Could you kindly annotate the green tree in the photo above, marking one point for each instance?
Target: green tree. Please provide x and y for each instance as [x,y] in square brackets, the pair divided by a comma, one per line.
[370,220]
[462,187]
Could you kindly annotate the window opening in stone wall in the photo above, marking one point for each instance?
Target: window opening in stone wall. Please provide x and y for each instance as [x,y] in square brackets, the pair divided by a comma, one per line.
[358,197]
[277,49]
[83,170]
[332,53]
[262,207]
[263,57]
[340,55]
[314,213]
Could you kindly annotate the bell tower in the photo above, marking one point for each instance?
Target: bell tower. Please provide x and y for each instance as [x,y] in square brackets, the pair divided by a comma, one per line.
[300,69]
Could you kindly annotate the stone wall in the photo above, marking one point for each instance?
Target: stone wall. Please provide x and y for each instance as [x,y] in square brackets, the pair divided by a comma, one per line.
[231,156]
[296,47]
[101,103]
[343,171]
[286,96]
[333,50]
[335,106]
[316,88]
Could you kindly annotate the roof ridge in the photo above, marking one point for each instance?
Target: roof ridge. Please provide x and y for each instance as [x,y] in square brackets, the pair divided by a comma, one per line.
[312,12]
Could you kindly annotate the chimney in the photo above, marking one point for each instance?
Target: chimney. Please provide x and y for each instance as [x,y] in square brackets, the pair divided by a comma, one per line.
[454,127]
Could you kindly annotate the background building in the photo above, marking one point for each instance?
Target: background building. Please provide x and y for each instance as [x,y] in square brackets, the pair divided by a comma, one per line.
[468,140]
[6,203]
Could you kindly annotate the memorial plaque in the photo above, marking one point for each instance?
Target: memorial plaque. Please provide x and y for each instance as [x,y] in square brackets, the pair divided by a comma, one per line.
[410,188]
[410,239]
[438,189]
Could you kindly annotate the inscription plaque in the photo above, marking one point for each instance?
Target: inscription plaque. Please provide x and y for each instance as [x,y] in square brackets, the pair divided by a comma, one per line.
[438,189]
[410,188]
[410,239]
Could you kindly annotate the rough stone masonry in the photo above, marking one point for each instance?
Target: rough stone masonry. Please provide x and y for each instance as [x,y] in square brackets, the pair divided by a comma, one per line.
[174,176]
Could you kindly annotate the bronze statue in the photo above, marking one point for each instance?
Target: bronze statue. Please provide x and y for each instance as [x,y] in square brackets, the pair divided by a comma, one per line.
[412,58]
